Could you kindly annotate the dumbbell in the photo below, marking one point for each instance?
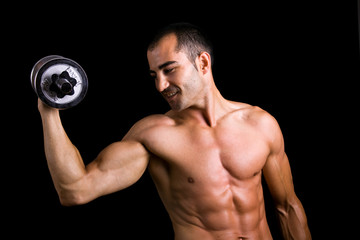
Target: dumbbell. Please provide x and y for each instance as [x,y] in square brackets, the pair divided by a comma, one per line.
[59,82]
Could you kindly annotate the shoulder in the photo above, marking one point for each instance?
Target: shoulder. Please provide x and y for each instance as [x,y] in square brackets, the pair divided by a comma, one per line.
[262,118]
[253,114]
[269,128]
[262,121]
[140,128]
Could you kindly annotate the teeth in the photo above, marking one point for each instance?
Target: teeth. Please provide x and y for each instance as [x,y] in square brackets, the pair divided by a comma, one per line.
[170,94]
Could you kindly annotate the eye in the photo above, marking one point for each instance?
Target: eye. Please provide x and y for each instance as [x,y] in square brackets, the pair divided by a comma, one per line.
[168,70]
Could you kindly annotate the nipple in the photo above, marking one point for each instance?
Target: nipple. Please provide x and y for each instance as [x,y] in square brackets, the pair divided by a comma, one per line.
[190,180]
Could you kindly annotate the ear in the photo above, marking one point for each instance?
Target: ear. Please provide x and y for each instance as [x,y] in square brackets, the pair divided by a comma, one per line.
[204,62]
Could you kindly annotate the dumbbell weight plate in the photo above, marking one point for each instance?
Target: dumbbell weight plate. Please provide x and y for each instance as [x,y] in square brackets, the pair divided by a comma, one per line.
[42,81]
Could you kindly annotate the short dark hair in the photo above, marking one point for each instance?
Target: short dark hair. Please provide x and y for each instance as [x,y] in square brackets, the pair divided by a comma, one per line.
[190,38]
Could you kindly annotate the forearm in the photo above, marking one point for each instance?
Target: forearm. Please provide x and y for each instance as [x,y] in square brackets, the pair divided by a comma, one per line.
[293,221]
[64,160]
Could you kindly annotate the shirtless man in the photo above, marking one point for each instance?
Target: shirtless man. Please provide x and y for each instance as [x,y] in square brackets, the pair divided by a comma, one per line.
[206,155]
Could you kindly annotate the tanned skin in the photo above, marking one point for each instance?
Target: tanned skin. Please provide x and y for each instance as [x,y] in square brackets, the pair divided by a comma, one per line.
[206,156]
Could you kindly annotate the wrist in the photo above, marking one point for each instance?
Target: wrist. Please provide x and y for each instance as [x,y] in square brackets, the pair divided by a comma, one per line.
[46,111]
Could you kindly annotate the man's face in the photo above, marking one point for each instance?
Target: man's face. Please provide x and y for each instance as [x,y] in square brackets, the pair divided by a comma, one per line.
[175,76]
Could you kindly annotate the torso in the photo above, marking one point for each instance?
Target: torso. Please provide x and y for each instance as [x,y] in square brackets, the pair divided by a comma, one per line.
[209,178]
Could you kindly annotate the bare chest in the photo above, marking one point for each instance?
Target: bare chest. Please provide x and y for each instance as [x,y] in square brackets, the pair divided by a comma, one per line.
[201,154]
[212,173]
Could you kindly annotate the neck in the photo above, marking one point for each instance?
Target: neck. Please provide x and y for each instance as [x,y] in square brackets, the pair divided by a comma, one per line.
[213,107]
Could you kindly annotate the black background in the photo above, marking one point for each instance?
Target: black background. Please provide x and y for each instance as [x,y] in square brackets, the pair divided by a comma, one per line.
[296,59]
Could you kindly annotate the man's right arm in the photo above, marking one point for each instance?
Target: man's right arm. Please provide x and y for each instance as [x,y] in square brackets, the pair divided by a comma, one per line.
[118,166]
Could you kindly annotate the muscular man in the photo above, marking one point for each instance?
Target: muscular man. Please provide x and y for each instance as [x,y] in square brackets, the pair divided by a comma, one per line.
[206,155]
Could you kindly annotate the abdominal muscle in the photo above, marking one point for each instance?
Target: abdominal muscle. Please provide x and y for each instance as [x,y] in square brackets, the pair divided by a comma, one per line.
[220,219]
[224,210]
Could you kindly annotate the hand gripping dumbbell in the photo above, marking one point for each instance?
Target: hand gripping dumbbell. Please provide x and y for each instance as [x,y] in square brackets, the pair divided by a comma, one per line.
[59,82]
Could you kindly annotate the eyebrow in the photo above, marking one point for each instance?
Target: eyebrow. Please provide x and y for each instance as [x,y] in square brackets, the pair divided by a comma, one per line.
[163,65]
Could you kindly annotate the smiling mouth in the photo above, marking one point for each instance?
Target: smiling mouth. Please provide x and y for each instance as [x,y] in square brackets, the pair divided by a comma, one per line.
[170,92]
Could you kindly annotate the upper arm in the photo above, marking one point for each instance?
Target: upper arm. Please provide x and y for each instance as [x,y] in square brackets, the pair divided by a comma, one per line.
[118,166]
[278,177]
[121,164]
[277,170]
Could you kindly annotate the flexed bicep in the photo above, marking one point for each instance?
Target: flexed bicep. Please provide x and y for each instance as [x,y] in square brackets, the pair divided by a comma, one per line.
[118,166]
[123,163]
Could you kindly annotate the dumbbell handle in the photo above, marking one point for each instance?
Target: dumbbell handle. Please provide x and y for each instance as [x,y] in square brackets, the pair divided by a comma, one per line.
[64,85]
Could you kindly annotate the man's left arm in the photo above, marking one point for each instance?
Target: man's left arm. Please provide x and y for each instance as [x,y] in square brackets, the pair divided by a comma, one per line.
[278,177]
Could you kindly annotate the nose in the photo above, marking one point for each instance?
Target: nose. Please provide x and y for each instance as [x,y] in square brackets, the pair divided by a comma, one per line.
[161,83]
